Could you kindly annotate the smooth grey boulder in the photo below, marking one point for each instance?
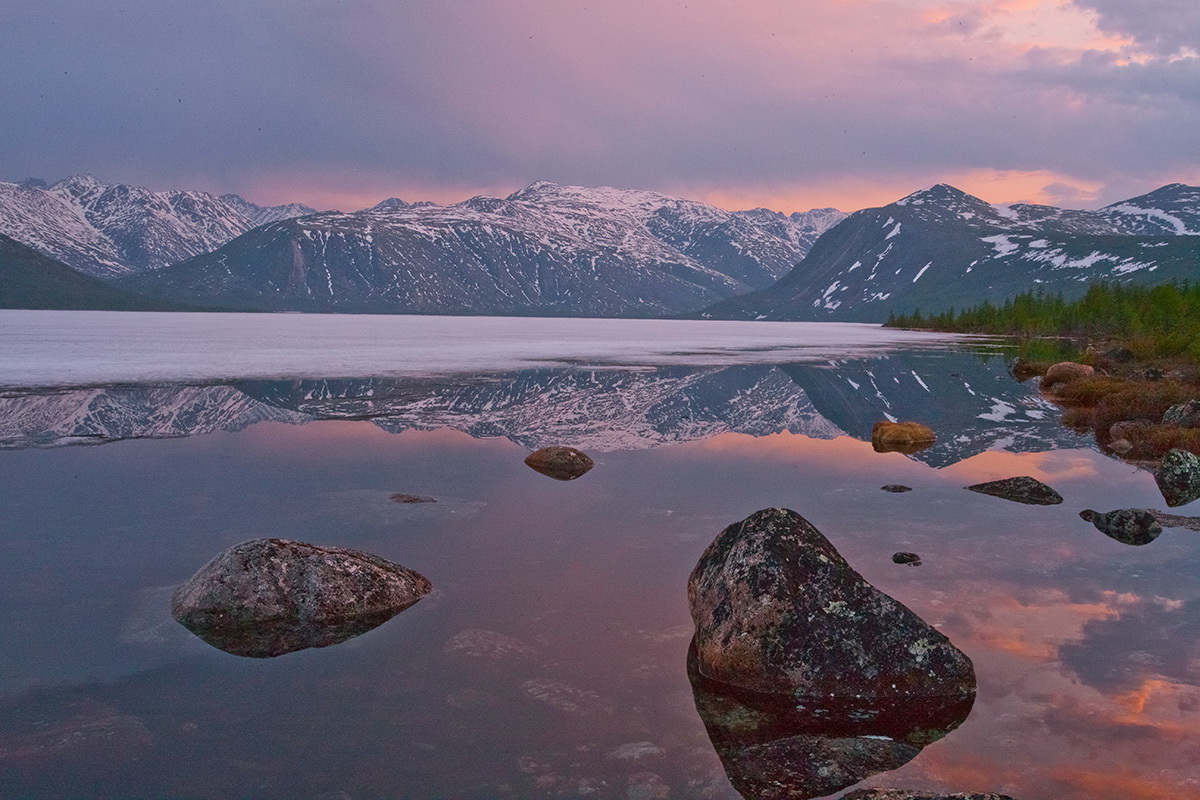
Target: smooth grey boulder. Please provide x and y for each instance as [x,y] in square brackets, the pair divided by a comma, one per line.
[1023,489]
[560,463]
[1134,526]
[778,610]
[1178,477]
[1185,414]
[267,597]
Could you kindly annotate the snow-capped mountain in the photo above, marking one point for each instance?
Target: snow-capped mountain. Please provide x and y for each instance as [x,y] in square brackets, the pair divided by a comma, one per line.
[261,215]
[110,230]
[972,404]
[546,249]
[941,248]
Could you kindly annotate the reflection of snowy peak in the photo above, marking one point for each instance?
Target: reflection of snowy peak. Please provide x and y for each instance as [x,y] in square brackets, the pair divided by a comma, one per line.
[941,248]
[971,403]
[546,249]
[105,230]
[84,416]
[602,410]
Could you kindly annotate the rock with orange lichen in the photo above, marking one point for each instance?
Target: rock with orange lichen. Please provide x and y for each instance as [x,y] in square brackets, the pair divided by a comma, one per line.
[901,437]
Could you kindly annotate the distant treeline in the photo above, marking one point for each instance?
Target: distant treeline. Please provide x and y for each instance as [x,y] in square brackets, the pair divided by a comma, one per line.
[1154,321]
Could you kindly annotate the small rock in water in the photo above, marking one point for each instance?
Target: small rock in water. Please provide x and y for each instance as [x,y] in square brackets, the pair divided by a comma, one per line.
[901,437]
[267,597]
[560,463]
[1185,415]
[1023,489]
[1134,526]
[1120,446]
[400,497]
[777,609]
[1178,477]
[896,488]
[907,558]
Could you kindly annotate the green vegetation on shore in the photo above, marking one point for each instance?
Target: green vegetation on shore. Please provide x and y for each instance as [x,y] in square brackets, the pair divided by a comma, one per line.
[1152,321]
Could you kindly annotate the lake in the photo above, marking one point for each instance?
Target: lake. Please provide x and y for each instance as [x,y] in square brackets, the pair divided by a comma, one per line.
[551,658]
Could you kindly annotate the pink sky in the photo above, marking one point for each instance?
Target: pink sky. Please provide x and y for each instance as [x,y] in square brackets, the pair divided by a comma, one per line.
[775,103]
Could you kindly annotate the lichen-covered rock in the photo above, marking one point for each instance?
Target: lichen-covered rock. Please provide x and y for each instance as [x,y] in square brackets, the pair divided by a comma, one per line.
[1023,489]
[1134,526]
[901,437]
[1131,429]
[560,463]
[777,609]
[1185,414]
[267,597]
[773,746]
[1178,477]
[1067,372]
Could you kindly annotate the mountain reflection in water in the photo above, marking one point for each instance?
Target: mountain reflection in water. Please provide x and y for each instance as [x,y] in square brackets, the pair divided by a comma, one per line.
[970,401]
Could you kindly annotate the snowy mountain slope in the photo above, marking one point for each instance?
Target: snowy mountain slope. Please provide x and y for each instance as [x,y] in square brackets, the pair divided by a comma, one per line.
[261,215]
[546,249]
[110,230]
[942,248]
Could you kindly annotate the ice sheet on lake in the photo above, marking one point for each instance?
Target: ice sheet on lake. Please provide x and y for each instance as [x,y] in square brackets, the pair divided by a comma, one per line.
[87,348]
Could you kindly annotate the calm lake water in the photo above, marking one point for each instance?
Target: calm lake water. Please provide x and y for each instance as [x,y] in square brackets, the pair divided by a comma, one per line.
[551,659]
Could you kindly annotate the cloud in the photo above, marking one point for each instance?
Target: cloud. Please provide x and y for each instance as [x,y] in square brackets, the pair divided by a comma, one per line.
[761,98]
[1163,27]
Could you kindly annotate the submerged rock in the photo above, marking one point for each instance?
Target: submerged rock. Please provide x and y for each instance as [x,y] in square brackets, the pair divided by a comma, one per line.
[560,463]
[1023,489]
[1175,521]
[267,597]
[896,488]
[400,497]
[777,609]
[773,746]
[901,437]
[1134,526]
[1178,477]
[1185,414]
[907,558]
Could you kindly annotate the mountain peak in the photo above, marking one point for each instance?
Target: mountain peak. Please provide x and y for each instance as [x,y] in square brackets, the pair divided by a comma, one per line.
[389,204]
[938,194]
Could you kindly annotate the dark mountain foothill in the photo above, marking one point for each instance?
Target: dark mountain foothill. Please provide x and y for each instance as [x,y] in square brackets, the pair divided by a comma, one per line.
[1023,489]
[560,463]
[266,597]
[779,611]
[911,794]
[1133,526]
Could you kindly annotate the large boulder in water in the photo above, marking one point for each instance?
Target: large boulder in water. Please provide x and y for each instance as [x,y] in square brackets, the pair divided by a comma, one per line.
[1178,477]
[901,437]
[560,463]
[778,610]
[267,597]
[1067,372]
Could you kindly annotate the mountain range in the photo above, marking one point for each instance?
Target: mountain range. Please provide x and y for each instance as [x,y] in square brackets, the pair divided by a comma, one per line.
[107,230]
[941,248]
[546,250]
[575,251]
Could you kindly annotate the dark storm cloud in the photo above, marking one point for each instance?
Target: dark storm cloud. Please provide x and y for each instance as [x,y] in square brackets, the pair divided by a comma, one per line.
[483,93]
[1164,27]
